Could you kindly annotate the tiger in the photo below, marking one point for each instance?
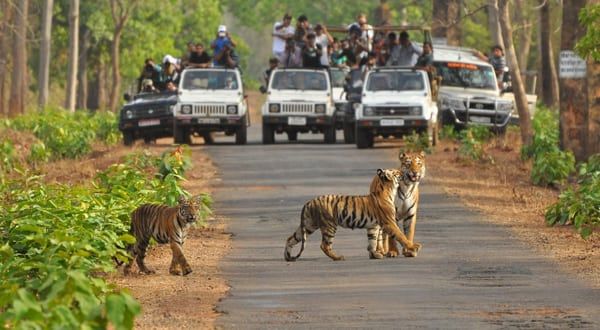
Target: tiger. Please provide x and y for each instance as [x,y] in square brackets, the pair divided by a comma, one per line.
[165,225]
[373,212]
[412,167]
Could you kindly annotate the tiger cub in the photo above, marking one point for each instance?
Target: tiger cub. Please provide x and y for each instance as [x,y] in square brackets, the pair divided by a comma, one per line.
[165,225]
[412,167]
[373,212]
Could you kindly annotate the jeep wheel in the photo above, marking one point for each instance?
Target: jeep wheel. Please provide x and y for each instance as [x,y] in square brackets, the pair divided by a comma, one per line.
[268,134]
[180,135]
[329,134]
[128,138]
[292,135]
[349,136]
[208,138]
[241,134]
[149,140]
[364,138]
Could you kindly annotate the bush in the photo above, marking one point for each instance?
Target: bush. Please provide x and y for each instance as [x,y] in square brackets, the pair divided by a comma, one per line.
[57,241]
[448,133]
[580,205]
[417,142]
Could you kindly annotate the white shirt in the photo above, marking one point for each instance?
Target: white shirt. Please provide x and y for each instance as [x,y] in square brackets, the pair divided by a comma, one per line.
[324,42]
[368,33]
[279,42]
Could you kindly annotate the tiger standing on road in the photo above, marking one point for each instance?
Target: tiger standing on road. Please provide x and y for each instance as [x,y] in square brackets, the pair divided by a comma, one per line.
[412,167]
[165,225]
[373,212]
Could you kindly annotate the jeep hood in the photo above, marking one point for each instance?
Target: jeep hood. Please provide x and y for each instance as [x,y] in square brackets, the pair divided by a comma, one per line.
[394,98]
[464,93]
[299,96]
[338,94]
[219,96]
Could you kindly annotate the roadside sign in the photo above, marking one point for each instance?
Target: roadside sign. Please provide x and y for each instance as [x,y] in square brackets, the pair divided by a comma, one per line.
[571,65]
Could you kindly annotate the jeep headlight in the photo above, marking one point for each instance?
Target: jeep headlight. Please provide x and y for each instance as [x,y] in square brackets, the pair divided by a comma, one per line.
[274,107]
[505,106]
[414,111]
[129,114]
[320,108]
[369,111]
[456,104]
[186,109]
[232,109]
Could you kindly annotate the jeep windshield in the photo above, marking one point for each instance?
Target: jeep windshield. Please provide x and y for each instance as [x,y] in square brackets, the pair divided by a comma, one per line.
[338,78]
[299,80]
[399,81]
[147,97]
[209,79]
[467,75]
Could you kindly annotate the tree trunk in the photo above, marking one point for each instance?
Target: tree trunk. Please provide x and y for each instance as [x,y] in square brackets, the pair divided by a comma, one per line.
[518,88]
[7,11]
[18,84]
[116,75]
[44,69]
[593,128]
[73,55]
[523,35]
[573,104]
[445,23]
[102,82]
[548,76]
[494,23]
[82,72]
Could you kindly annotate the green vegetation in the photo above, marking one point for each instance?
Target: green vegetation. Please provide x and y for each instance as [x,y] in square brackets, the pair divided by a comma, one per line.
[417,142]
[551,166]
[58,241]
[580,205]
[588,45]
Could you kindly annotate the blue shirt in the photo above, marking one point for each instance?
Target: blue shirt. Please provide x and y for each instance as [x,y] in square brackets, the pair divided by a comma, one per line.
[219,43]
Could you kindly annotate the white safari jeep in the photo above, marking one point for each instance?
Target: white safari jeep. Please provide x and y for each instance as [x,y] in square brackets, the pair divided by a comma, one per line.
[298,100]
[211,100]
[395,102]
[469,92]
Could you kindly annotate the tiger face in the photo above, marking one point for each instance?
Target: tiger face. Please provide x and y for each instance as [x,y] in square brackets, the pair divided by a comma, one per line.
[412,166]
[188,209]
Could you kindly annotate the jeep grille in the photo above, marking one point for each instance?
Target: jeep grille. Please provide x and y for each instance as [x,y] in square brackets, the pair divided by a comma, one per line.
[391,111]
[209,109]
[481,105]
[297,108]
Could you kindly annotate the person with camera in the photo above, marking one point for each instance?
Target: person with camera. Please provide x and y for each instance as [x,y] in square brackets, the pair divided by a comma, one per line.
[151,71]
[282,31]
[223,47]
[312,52]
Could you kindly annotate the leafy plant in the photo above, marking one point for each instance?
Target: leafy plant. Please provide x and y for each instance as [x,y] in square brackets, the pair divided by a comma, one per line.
[7,155]
[448,132]
[39,153]
[417,142]
[470,146]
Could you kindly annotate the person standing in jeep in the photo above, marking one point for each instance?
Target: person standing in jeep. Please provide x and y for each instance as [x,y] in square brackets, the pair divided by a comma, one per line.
[282,32]
[312,53]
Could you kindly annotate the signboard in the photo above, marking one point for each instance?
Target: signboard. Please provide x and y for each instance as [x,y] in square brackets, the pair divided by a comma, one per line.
[571,65]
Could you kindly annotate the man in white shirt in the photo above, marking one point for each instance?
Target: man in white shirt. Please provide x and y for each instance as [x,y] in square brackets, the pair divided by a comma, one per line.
[367,31]
[324,39]
[282,31]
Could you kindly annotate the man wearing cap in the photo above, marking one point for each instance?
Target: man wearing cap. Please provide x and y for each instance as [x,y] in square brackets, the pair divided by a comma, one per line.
[404,54]
[282,31]
[312,52]
[222,42]
[364,29]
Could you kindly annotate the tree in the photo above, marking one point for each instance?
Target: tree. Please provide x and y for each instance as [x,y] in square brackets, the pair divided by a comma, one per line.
[494,23]
[573,97]
[518,87]
[524,29]
[120,12]
[18,86]
[73,55]
[548,76]
[445,22]
[5,23]
[44,69]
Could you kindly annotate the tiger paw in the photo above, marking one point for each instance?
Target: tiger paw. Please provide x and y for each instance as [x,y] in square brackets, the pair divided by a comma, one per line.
[147,271]
[409,253]
[339,258]
[187,271]
[174,272]
[392,254]
[375,255]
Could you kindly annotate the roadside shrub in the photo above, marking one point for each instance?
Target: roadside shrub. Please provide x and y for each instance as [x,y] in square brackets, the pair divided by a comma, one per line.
[448,133]
[7,155]
[551,166]
[38,153]
[417,142]
[470,148]
[480,133]
[57,242]
[580,205]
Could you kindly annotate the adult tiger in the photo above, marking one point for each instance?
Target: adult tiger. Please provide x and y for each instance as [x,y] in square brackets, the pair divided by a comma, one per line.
[373,212]
[412,167]
[165,225]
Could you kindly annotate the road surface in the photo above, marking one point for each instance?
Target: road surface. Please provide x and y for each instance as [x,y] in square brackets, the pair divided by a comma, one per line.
[469,274]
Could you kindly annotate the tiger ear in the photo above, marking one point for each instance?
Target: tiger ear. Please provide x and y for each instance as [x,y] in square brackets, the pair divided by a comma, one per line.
[401,155]
[422,154]
[381,174]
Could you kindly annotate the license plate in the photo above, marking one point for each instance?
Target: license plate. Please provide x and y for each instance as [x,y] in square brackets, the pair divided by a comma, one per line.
[483,120]
[297,121]
[392,122]
[209,121]
[148,122]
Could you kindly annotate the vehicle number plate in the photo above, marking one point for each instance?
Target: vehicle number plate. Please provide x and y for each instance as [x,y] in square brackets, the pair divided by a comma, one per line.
[483,120]
[209,121]
[297,121]
[392,122]
[148,122]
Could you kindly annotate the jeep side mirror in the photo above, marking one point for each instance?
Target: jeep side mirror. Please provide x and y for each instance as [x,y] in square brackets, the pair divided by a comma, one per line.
[127,97]
[263,89]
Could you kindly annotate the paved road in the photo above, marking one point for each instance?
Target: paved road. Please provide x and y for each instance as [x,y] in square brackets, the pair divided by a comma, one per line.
[470,274]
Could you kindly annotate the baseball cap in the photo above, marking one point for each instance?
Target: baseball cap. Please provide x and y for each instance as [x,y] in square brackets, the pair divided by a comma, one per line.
[222,29]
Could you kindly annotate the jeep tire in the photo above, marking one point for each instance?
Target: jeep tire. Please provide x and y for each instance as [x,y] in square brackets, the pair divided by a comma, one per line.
[292,135]
[329,134]
[268,134]
[128,138]
[349,133]
[208,138]
[364,138]
[241,134]
[181,135]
